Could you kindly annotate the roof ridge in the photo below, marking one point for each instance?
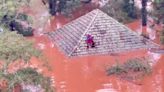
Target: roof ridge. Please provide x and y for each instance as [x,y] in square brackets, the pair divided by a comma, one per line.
[97,10]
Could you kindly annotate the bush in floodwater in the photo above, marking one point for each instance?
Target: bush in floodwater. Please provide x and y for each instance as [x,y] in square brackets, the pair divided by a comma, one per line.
[137,65]
[133,68]
[116,70]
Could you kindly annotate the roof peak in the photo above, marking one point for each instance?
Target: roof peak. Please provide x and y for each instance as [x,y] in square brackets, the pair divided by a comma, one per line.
[110,36]
[90,24]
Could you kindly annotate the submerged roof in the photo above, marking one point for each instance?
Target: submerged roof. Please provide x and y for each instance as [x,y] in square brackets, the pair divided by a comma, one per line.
[109,35]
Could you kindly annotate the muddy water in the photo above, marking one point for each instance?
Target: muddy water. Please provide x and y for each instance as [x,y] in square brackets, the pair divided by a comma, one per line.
[87,74]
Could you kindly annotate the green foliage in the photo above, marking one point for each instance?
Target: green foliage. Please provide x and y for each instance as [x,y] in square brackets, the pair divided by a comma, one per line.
[137,65]
[22,17]
[28,76]
[116,70]
[158,11]
[8,14]
[118,9]
[17,26]
[70,5]
[14,47]
[129,8]
[133,68]
[64,7]
[9,7]
[27,32]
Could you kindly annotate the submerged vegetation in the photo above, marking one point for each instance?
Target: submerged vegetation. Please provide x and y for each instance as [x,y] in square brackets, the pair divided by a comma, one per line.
[121,10]
[158,11]
[15,48]
[28,80]
[132,69]
[63,6]
[10,17]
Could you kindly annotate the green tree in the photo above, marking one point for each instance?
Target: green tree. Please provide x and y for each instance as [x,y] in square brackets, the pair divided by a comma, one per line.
[64,7]
[119,9]
[10,7]
[132,70]
[10,18]
[158,11]
[13,48]
[70,5]
[129,8]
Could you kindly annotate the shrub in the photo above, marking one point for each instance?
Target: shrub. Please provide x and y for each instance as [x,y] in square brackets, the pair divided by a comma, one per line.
[158,11]
[15,48]
[11,22]
[137,65]
[29,77]
[129,8]
[132,69]
[116,70]
[119,10]
[27,32]
[22,17]
[16,26]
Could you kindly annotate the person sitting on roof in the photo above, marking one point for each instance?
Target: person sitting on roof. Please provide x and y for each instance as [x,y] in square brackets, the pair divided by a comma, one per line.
[89,41]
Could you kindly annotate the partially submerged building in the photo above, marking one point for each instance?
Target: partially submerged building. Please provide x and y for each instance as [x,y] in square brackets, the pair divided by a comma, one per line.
[110,36]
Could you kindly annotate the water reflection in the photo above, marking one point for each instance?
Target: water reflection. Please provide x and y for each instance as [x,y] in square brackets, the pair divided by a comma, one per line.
[108,87]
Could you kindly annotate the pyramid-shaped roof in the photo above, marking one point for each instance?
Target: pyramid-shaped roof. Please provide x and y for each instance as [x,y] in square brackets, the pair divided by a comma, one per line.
[110,36]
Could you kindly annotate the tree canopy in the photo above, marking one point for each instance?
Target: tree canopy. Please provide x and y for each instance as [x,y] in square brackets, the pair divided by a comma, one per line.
[159,11]
[14,47]
[9,7]
[63,6]
[121,10]
[12,19]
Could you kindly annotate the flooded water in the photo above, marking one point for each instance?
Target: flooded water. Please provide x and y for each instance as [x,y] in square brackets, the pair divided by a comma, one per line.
[87,74]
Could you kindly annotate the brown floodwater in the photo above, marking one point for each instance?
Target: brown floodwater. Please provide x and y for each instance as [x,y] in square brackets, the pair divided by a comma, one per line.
[88,74]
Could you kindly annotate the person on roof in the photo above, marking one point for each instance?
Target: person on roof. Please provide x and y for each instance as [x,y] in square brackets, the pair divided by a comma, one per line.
[89,41]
